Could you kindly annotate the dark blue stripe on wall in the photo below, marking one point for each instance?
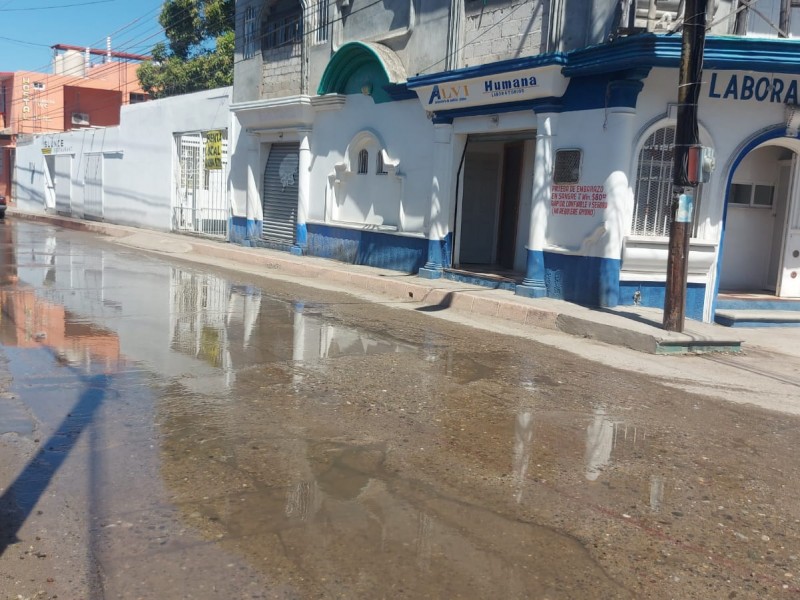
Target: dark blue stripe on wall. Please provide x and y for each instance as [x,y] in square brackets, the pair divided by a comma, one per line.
[588,280]
[652,295]
[242,230]
[371,248]
[734,53]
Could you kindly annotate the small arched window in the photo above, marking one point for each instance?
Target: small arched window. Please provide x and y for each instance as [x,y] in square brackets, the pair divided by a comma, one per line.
[363,162]
[380,168]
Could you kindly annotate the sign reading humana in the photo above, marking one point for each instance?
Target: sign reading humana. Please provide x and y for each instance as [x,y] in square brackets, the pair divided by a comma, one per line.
[477,91]
[508,87]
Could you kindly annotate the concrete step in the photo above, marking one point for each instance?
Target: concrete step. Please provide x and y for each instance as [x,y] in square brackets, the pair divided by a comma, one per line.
[758,318]
[757,303]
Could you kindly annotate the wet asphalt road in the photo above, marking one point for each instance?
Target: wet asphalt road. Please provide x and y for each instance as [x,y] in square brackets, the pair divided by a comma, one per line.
[187,434]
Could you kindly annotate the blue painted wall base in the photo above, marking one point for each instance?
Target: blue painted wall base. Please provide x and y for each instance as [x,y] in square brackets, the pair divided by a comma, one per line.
[244,231]
[587,280]
[533,286]
[364,247]
[439,257]
[529,291]
[651,294]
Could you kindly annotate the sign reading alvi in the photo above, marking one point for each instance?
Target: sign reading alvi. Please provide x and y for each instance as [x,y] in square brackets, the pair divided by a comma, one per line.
[213,150]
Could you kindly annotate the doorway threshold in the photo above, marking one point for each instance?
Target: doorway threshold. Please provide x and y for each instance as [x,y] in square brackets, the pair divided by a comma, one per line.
[756,308]
[488,276]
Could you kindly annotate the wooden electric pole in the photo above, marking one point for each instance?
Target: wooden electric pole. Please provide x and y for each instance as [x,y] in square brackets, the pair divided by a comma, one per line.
[686,159]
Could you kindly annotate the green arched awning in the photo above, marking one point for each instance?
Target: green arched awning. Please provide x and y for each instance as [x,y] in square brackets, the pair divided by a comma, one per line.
[359,64]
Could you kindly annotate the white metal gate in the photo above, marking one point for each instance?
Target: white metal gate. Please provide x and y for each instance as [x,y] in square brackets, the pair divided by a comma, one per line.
[280,192]
[93,187]
[201,199]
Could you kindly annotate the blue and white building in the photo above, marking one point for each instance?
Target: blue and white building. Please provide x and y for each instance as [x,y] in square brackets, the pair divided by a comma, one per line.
[499,142]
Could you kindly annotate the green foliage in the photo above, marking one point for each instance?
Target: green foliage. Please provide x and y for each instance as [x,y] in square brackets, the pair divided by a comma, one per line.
[198,54]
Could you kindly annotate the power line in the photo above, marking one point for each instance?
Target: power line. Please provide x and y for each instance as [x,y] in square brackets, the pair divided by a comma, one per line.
[8,39]
[311,9]
[66,78]
[55,6]
[47,66]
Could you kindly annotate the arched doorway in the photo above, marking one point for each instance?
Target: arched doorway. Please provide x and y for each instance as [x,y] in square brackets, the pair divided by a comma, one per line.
[761,246]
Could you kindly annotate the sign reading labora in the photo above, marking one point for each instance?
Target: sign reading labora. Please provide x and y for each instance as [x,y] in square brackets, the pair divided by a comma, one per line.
[495,88]
[213,150]
[749,87]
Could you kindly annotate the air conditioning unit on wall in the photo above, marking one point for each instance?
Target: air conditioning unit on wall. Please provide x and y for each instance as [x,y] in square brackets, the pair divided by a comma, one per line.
[80,119]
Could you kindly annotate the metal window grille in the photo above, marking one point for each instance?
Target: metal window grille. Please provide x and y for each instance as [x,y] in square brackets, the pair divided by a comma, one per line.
[653,197]
[250,32]
[321,21]
[363,162]
[284,30]
[567,168]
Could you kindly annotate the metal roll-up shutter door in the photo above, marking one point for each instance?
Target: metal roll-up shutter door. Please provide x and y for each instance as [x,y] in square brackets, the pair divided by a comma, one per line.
[280,192]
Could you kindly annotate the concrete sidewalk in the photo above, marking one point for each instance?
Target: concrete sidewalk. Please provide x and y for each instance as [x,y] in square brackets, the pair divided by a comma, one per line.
[638,328]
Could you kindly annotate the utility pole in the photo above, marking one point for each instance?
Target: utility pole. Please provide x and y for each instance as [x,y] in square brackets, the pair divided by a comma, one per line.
[686,165]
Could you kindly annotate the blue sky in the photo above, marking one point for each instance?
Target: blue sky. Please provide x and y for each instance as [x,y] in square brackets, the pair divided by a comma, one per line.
[26,35]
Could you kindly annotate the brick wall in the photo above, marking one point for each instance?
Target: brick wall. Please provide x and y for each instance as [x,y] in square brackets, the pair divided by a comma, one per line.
[503,30]
[282,73]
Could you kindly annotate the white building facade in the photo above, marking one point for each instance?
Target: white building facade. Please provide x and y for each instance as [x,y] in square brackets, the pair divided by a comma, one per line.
[501,144]
[165,167]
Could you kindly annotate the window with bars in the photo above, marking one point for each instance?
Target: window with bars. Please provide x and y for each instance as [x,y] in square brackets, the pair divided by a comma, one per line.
[653,196]
[567,168]
[363,162]
[283,29]
[250,32]
[321,21]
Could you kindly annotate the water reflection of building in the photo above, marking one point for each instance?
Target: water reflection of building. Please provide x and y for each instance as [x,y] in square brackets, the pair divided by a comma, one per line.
[232,326]
[605,436]
[27,321]
[178,320]
[523,445]
[599,443]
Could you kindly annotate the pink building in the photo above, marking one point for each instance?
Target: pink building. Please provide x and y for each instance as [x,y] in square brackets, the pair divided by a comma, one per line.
[86,89]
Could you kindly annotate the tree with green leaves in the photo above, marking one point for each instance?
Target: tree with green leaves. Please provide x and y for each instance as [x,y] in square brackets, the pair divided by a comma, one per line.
[198,54]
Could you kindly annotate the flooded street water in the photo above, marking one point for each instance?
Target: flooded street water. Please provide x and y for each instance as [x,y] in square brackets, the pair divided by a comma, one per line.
[210,435]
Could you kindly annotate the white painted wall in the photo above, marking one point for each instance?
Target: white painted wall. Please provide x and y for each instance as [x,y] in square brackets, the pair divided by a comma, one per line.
[138,158]
[604,140]
[727,124]
[407,137]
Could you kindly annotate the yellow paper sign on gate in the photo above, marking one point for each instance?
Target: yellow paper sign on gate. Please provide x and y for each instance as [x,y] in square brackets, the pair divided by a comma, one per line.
[213,150]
